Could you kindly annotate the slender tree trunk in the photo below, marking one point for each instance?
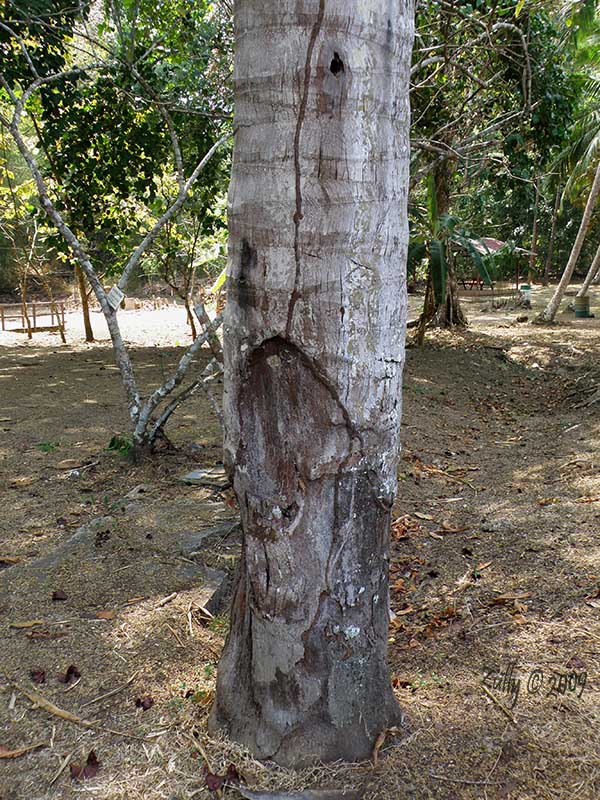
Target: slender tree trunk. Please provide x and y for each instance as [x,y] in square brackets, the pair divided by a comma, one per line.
[549,312]
[550,252]
[85,306]
[314,332]
[534,234]
[190,316]
[592,272]
[24,311]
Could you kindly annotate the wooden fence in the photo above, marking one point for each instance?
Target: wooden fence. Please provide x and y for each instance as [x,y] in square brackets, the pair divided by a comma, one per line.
[34,317]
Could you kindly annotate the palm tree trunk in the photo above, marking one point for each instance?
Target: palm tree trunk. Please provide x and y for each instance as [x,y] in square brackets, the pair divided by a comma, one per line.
[551,309]
[314,340]
[592,272]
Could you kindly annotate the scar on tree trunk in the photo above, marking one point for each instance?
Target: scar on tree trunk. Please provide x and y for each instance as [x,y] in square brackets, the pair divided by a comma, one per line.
[311,650]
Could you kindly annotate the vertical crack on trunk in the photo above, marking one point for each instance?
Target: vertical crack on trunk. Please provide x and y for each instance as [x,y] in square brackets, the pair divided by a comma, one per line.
[298,215]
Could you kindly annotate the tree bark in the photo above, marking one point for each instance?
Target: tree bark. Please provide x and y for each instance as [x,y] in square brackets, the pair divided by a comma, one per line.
[549,312]
[550,252]
[85,306]
[592,272]
[534,234]
[450,312]
[314,334]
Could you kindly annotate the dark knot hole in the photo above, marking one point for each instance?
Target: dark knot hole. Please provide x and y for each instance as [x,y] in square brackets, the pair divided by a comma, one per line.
[337,65]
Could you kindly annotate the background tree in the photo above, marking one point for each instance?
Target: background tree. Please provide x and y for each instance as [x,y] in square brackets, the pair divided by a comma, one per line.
[486,124]
[104,154]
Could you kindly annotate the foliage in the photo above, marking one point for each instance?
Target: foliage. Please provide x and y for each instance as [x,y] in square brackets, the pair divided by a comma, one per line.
[105,134]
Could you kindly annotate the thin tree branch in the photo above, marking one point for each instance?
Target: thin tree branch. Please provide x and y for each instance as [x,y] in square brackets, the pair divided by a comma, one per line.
[169,213]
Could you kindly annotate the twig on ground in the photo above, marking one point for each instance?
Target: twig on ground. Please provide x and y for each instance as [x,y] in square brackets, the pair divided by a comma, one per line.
[466,781]
[111,693]
[500,705]
[167,599]
[63,765]
[41,702]
[73,685]
[179,642]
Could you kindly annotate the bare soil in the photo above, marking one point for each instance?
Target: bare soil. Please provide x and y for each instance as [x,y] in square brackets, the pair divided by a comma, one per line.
[495,574]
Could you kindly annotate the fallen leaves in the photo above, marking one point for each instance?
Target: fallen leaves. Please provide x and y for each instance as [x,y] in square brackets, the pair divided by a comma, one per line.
[58,595]
[144,703]
[27,624]
[38,675]
[9,561]
[401,527]
[71,674]
[87,770]
[214,782]
[107,615]
[20,751]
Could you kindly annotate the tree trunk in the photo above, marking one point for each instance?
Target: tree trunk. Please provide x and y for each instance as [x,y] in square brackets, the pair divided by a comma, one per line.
[592,272]
[85,306]
[450,312]
[190,317]
[534,234]
[314,333]
[550,252]
[549,312]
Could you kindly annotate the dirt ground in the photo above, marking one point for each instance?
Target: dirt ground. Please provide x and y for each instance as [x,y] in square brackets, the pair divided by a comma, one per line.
[495,646]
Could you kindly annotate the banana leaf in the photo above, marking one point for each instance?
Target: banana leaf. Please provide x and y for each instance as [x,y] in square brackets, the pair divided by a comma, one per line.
[438,269]
[218,284]
[417,251]
[476,257]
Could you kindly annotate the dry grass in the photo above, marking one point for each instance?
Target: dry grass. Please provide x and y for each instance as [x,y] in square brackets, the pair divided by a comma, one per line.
[503,483]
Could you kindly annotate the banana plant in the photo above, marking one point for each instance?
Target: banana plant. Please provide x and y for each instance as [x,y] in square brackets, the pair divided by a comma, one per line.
[446,231]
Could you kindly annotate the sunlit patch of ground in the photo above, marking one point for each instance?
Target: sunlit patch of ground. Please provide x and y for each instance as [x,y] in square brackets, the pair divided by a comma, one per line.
[495,576]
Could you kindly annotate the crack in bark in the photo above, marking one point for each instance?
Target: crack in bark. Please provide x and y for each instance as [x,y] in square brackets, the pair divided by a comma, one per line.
[298,215]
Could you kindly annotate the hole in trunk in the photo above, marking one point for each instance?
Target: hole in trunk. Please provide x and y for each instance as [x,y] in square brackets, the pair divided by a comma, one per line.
[337,65]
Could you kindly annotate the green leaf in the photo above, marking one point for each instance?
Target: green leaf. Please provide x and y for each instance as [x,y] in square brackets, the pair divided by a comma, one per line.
[519,8]
[432,205]
[218,284]
[476,257]
[438,268]
[416,254]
